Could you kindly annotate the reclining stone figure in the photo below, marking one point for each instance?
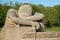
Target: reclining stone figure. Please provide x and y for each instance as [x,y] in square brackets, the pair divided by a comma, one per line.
[24,16]
[26,12]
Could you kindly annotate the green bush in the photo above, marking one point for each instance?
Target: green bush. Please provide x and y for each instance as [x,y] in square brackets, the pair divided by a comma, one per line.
[48,24]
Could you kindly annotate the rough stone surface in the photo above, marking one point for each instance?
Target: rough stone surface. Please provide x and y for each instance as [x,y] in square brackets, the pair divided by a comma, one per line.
[25,11]
[14,34]
[43,35]
[48,39]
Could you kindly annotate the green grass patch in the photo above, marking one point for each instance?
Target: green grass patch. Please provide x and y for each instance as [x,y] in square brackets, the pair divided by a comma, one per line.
[57,29]
[0,28]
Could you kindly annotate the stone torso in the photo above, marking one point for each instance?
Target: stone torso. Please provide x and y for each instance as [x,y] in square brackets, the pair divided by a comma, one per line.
[9,23]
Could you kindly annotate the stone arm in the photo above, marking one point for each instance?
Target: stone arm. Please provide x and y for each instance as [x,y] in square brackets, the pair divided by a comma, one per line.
[12,15]
[35,17]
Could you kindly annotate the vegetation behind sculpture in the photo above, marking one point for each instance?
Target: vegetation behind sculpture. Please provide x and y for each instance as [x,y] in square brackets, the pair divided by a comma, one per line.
[51,13]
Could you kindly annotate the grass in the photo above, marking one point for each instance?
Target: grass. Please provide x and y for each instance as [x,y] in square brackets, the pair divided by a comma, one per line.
[57,29]
[0,28]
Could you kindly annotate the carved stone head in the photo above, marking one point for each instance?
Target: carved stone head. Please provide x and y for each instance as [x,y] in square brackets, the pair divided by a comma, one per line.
[25,11]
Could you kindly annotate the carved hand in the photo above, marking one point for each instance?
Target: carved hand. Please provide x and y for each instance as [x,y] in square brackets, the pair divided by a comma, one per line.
[36,24]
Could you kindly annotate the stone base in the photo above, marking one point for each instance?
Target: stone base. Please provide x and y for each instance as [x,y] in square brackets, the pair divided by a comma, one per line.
[48,39]
[27,33]
[42,39]
[42,35]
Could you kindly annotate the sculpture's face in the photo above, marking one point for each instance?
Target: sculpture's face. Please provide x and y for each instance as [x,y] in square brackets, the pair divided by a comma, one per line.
[25,11]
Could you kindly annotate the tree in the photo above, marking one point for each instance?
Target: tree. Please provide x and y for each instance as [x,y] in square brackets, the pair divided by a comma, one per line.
[17,5]
[57,7]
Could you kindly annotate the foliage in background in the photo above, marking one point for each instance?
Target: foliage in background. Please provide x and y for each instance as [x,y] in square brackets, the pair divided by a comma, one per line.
[52,14]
